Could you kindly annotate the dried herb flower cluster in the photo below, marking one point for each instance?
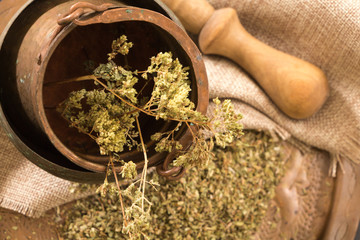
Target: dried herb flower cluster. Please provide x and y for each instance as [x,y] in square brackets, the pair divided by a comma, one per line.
[109,114]
[226,200]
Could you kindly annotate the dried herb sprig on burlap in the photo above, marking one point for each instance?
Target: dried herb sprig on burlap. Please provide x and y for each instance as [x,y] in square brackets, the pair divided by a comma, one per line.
[226,200]
[110,116]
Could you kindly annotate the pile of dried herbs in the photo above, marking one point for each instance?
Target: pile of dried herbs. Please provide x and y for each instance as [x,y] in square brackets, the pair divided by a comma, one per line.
[226,200]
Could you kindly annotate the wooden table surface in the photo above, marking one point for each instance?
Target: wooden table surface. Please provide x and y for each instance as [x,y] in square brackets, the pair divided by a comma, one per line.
[16,226]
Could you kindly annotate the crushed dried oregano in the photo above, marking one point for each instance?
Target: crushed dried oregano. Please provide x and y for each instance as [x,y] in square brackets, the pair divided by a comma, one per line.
[226,200]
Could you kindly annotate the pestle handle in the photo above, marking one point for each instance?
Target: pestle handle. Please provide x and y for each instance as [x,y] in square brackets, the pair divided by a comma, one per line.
[193,14]
[297,87]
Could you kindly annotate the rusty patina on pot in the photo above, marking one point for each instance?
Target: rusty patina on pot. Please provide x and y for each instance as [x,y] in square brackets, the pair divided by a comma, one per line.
[43,51]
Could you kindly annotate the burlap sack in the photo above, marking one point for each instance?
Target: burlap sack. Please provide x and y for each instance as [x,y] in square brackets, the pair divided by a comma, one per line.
[323,32]
[26,188]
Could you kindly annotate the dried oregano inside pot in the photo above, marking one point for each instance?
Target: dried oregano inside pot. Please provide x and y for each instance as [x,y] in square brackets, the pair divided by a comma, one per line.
[109,114]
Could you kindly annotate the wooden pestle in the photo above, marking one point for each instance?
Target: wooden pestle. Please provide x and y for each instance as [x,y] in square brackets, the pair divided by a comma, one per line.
[297,87]
[193,14]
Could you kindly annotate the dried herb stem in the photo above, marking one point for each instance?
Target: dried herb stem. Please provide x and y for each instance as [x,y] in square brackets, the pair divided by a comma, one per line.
[119,189]
[70,80]
[144,172]
[82,131]
[191,131]
[115,94]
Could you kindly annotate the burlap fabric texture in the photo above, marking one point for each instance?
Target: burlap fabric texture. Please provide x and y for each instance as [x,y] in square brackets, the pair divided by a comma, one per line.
[323,32]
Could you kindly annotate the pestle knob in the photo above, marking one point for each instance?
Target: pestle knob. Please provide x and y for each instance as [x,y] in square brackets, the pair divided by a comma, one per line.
[297,87]
[193,14]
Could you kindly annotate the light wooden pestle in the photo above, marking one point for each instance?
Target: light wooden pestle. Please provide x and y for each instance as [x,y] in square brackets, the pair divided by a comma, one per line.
[193,14]
[297,87]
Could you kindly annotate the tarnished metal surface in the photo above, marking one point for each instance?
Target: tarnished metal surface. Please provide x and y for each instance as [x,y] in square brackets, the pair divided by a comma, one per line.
[81,8]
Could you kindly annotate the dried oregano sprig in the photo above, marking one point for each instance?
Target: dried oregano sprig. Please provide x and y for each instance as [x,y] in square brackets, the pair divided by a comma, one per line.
[120,45]
[114,108]
[109,115]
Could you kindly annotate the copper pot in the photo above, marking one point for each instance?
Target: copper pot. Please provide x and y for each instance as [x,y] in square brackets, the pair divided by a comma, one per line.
[59,41]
